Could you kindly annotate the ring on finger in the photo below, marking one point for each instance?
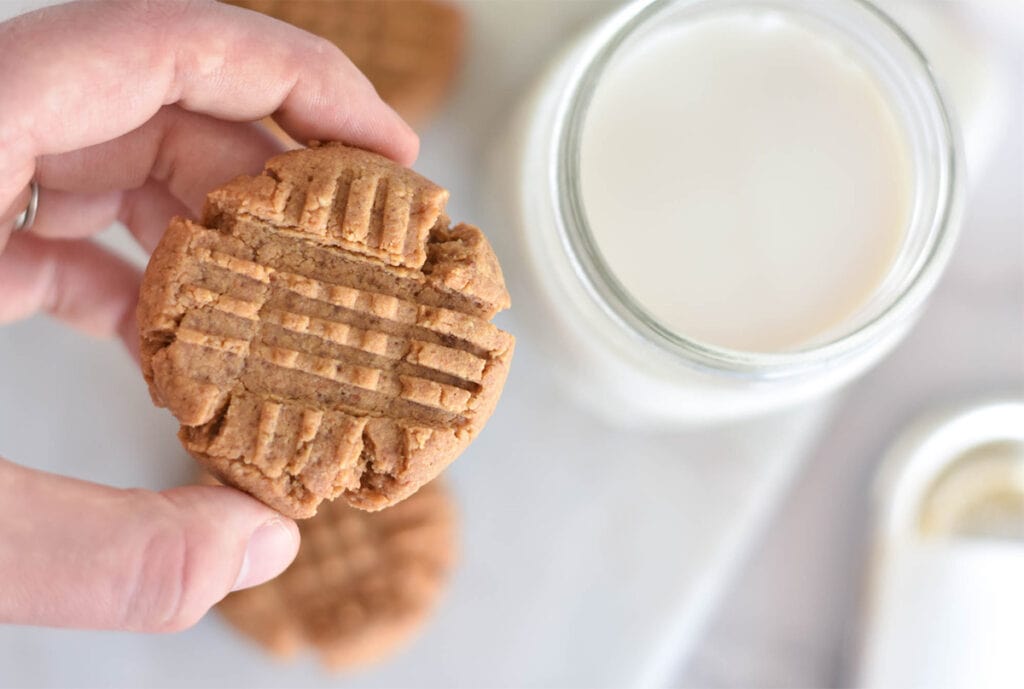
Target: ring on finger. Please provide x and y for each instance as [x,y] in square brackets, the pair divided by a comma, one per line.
[27,217]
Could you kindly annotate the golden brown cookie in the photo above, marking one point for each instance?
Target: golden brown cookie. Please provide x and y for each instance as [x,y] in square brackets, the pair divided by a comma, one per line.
[324,332]
[361,585]
[409,49]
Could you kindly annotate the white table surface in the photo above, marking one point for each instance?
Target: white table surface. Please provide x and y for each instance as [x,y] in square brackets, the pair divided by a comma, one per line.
[590,557]
[789,619]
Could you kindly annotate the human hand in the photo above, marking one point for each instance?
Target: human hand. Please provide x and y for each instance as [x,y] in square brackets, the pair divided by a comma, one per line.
[133,112]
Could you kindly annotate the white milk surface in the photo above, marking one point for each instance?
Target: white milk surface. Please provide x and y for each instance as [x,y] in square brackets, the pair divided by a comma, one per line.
[745,180]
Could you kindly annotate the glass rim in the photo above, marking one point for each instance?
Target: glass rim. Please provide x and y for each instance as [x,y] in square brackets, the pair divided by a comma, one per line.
[602,284]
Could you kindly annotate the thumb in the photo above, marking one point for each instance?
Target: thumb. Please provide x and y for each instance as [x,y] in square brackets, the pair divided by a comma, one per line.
[77,554]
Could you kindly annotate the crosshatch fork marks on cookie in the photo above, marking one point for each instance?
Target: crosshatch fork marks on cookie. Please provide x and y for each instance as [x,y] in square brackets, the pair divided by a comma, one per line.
[373,208]
[303,367]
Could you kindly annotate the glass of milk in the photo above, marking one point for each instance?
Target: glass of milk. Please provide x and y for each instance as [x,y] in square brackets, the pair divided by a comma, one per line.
[726,207]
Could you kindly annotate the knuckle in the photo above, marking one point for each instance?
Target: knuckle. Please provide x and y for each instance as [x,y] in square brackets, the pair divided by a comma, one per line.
[151,10]
[322,47]
[156,598]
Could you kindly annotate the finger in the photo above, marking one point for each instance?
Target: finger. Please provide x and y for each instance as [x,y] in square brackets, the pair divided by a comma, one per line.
[12,211]
[168,164]
[210,58]
[188,153]
[74,215]
[145,211]
[76,554]
[76,281]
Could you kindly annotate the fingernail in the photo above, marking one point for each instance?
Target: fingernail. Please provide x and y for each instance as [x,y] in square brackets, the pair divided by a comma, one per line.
[271,549]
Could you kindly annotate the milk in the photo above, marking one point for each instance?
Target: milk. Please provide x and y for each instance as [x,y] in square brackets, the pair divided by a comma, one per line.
[763,175]
[745,180]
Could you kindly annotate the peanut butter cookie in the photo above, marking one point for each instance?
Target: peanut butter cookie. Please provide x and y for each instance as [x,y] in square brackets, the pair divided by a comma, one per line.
[324,331]
[409,49]
[361,585]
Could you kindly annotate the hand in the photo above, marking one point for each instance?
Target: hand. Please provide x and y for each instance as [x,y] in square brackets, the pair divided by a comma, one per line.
[133,112]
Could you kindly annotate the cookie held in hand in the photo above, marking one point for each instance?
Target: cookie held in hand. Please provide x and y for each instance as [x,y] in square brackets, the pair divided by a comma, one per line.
[324,332]
[361,585]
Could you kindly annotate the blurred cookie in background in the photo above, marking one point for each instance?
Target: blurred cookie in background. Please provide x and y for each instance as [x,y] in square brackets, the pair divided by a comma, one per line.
[410,49]
[361,585]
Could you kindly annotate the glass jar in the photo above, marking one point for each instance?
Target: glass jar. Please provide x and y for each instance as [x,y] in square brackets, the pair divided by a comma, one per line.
[604,347]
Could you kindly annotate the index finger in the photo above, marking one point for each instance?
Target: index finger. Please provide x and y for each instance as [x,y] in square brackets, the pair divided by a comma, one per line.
[84,73]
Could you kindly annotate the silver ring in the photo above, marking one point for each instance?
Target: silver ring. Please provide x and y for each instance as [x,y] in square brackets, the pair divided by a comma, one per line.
[28,216]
